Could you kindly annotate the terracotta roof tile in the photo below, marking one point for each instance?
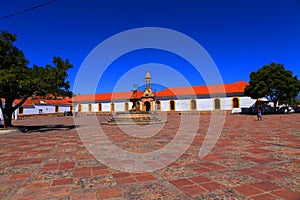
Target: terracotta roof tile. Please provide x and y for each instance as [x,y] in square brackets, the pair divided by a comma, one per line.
[28,102]
[65,101]
[31,102]
[106,96]
[237,87]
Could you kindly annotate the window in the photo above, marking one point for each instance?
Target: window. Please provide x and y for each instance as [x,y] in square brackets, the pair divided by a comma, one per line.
[40,111]
[217,104]
[21,110]
[172,105]
[158,105]
[99,107]
[112,107]
[79,108]
[235,102]
[126,106]
[56,109]
[193,104]
[90,107]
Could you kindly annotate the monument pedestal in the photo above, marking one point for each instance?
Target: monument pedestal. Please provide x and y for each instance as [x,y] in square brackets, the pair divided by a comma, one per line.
[134,118]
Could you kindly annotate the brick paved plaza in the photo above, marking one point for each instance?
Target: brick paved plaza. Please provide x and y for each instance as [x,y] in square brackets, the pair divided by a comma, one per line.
[251,160]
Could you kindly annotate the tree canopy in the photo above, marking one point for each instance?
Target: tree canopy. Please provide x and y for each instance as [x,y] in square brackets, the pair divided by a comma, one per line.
[274,82]
[18,81]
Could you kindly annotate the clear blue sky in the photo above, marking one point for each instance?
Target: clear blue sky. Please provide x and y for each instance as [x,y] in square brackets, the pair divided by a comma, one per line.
[239,35]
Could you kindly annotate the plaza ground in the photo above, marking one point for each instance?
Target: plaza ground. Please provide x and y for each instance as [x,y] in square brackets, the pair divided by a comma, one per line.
[251,160]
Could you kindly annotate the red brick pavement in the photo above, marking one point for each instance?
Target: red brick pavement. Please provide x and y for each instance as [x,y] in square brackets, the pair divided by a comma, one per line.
[251,160]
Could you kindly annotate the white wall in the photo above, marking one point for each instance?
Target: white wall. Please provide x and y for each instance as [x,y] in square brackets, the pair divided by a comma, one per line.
[180,105]
[183,105]
[246,102]
[226,103]
[205,104]
[105,107]
[119,106]
[95,107]
[165,105]
[63,108]
[46,109]
[29,111]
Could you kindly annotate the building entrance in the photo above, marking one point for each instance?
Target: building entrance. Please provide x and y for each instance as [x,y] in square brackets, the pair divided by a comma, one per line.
[148,106]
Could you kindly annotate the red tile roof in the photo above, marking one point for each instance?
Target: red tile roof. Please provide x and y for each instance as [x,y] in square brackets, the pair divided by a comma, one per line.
[29,102]
[66,101]
[32,102]
[237,87]
[106,96]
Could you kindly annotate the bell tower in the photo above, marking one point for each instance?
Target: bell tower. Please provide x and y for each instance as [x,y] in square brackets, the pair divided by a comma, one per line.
[148,80]
[148,95]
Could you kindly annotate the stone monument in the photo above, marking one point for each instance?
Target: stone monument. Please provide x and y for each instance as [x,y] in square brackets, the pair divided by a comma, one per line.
[142,111]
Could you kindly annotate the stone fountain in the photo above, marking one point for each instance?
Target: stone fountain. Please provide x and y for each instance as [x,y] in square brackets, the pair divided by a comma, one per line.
[142,112]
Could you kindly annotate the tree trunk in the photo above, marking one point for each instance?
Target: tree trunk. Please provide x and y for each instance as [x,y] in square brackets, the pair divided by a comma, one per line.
[7,119]
[9,109]
[7,112]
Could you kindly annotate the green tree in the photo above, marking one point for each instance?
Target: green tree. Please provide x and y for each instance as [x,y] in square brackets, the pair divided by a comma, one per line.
[18,81]
[275,82]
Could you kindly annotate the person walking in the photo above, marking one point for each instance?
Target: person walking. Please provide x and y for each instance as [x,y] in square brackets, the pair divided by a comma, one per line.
[259,114]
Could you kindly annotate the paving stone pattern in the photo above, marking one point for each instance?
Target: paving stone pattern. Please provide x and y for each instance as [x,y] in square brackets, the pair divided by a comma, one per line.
[251,160]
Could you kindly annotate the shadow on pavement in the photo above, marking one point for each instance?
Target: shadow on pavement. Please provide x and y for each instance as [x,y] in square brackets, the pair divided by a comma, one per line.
[45,128]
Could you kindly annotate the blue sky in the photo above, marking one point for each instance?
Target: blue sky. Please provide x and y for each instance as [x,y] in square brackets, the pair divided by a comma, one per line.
[239,35]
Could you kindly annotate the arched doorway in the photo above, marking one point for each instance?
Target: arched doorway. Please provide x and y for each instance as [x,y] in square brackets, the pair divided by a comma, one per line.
[112,107]
[172,105]
[235,102]
[147,105]
[158,106]
[99,107]
[56,109]
[193,104]
[217,104]
[90,107]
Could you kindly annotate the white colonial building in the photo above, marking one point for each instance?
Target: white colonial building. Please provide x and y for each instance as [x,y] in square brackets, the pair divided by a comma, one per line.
[226,97]
[41,106]
[207,98]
